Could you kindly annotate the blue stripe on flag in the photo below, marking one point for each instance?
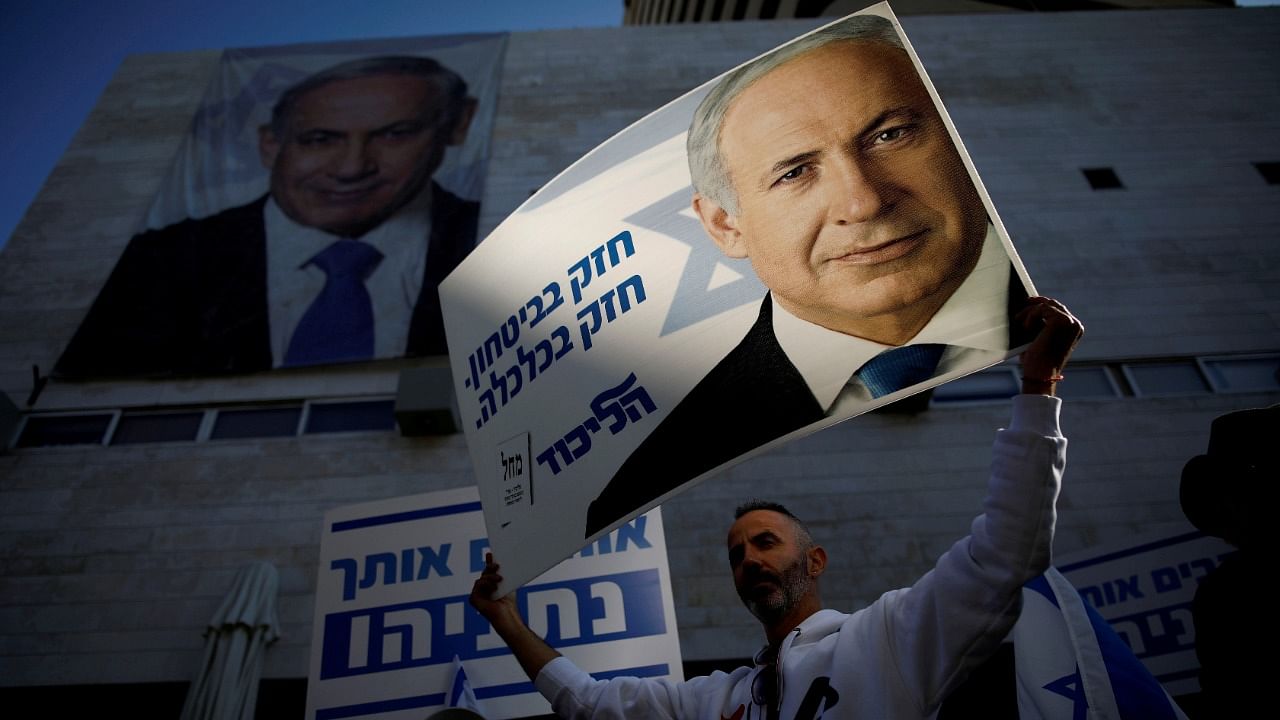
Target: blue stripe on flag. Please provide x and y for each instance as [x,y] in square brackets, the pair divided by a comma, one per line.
[459,684]
[1138,695]
[1041,585]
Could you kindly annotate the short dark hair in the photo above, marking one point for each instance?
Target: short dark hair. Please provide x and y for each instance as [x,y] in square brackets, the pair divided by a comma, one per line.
[754,504]
[452,85]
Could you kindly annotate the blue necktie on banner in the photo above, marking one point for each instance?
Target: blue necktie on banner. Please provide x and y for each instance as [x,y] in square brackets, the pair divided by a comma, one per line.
[892,370]
[460,693]
[1071,665]
[339,324]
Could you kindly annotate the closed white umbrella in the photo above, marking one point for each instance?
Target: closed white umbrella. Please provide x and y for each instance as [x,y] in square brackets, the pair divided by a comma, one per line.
[226,687]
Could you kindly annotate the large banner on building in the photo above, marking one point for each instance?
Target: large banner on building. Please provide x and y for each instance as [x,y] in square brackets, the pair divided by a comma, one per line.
[322,193]
[1144,589]
[393,627]
[794,243]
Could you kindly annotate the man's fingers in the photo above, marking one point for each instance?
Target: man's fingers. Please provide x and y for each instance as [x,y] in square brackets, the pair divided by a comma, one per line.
[1040,309]
[1059,332]
[490,567]
[489,577]
[486,586]
[1054,316]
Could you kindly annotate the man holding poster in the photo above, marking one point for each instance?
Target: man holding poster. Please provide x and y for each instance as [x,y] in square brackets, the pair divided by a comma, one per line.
[899,657]
[828,165]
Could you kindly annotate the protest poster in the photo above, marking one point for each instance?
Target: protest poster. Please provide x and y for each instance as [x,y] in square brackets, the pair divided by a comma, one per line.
[393,626]
[1144,587]
[360,159]
[789,245]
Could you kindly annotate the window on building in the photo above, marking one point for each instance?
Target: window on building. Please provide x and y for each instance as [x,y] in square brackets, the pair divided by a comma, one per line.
[350,416]
[1270,171]
[48,430]
[1082,383]
[134,428]
[1158,379]
[1259,373]
[1102,178]
[1168,377]
[256,423]
[997,383]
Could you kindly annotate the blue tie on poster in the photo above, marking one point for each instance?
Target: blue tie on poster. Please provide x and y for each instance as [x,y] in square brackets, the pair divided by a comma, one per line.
[339,324]
[892,370]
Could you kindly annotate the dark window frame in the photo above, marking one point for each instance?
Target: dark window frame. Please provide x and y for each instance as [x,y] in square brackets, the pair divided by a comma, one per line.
[298,406]
[21,430]
[1103,178]
[1128,368]
[1269,170]
[1206,369]
[201,430]
[305,426]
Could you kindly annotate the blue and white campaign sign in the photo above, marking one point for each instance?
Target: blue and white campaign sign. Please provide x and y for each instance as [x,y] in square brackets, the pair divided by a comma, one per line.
[794,243]
[395,638]
[1144,589]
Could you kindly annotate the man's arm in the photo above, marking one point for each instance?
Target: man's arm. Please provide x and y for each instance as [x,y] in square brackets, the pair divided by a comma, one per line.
[574,693]
[957,614]
[531,651]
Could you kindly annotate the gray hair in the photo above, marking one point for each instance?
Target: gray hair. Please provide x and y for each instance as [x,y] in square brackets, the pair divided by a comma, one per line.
[706,165]
[452,85]
[803,535]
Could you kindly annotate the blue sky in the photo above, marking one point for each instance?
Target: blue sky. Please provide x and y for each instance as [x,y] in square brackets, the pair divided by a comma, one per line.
[58,55]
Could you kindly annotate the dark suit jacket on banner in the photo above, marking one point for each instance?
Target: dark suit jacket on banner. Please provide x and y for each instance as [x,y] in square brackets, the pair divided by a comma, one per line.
[191,298]
[753,396]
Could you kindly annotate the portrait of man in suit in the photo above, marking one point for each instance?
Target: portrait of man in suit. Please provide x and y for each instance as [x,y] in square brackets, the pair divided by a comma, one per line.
[338,262]
[829,167]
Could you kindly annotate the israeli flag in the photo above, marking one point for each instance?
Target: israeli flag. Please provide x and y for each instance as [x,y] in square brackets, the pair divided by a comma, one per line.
[1071,665]
[460,693]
